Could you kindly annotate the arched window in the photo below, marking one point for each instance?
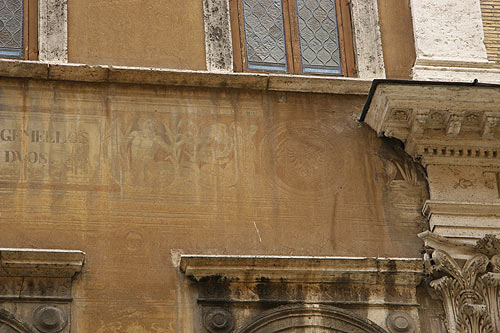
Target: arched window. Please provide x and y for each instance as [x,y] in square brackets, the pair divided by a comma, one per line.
[309,318]
[10,324]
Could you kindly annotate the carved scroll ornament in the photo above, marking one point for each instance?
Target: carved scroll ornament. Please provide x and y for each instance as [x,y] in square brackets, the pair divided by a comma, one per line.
[469,292]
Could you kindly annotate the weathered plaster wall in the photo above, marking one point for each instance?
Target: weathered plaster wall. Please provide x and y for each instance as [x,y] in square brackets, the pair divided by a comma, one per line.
[397,38]
[162,33]
[129,174]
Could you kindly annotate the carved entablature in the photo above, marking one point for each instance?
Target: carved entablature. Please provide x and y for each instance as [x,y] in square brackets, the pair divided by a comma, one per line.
[35,289]
[468,288]
[439,123]
[453,130]
[287,294]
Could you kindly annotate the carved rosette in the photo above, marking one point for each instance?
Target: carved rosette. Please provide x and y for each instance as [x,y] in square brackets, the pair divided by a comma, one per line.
[218,320]
[470,293]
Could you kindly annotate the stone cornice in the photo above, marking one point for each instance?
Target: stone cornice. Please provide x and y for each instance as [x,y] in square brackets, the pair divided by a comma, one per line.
[440,124]
[40,263]
[458,249]
[461,208]
[186,78]
[304,269]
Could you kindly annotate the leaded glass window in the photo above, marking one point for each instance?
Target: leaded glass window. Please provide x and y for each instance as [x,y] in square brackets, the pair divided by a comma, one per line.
[293,36]
[11,28]
[319,39]
[265,35]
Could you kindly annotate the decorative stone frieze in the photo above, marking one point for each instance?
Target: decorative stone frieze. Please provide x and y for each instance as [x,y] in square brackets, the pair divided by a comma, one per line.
[35,289]
[452,130]
[469,291]
[242,286]
[440,123]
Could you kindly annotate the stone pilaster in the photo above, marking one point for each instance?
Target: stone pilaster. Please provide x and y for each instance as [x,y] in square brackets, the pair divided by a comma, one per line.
[449,42]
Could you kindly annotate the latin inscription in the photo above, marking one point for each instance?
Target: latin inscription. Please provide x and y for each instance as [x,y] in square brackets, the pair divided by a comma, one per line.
[49,149]
[37,136]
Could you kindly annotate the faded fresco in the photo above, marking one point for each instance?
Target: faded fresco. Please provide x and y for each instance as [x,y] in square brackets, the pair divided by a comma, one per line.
[131,174]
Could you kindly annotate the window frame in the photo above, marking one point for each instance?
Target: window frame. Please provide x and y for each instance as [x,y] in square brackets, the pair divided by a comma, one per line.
[30,32]
[30,41]
[292,43]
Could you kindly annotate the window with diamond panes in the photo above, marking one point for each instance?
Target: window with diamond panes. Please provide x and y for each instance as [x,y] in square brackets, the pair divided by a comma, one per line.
[293,36]
[18,31]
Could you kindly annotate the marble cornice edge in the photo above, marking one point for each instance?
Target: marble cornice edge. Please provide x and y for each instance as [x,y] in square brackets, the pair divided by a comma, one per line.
[182,78]
[40,262]
[303,269]
[439,123]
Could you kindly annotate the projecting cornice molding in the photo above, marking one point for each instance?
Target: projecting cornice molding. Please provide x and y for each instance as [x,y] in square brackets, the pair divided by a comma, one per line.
[455,124]
[386,287]
[35,289]
[40,263]
[303,269]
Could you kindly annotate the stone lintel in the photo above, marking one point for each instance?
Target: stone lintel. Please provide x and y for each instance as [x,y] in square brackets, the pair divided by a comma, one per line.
[400,271]
[40,263]
[456,71]
[182,78]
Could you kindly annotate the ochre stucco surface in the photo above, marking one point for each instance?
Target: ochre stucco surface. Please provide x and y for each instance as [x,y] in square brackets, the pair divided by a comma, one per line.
[161,33]
[397,38]
[129,174]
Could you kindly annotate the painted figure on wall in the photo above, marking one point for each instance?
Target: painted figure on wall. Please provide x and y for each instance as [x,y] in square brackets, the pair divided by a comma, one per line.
[146,149]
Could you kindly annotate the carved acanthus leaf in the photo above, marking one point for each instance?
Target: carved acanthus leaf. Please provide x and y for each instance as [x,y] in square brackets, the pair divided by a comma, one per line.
[488,245]
[469,292]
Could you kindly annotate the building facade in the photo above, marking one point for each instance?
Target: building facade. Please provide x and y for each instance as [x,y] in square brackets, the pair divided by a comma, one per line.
[249,166]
